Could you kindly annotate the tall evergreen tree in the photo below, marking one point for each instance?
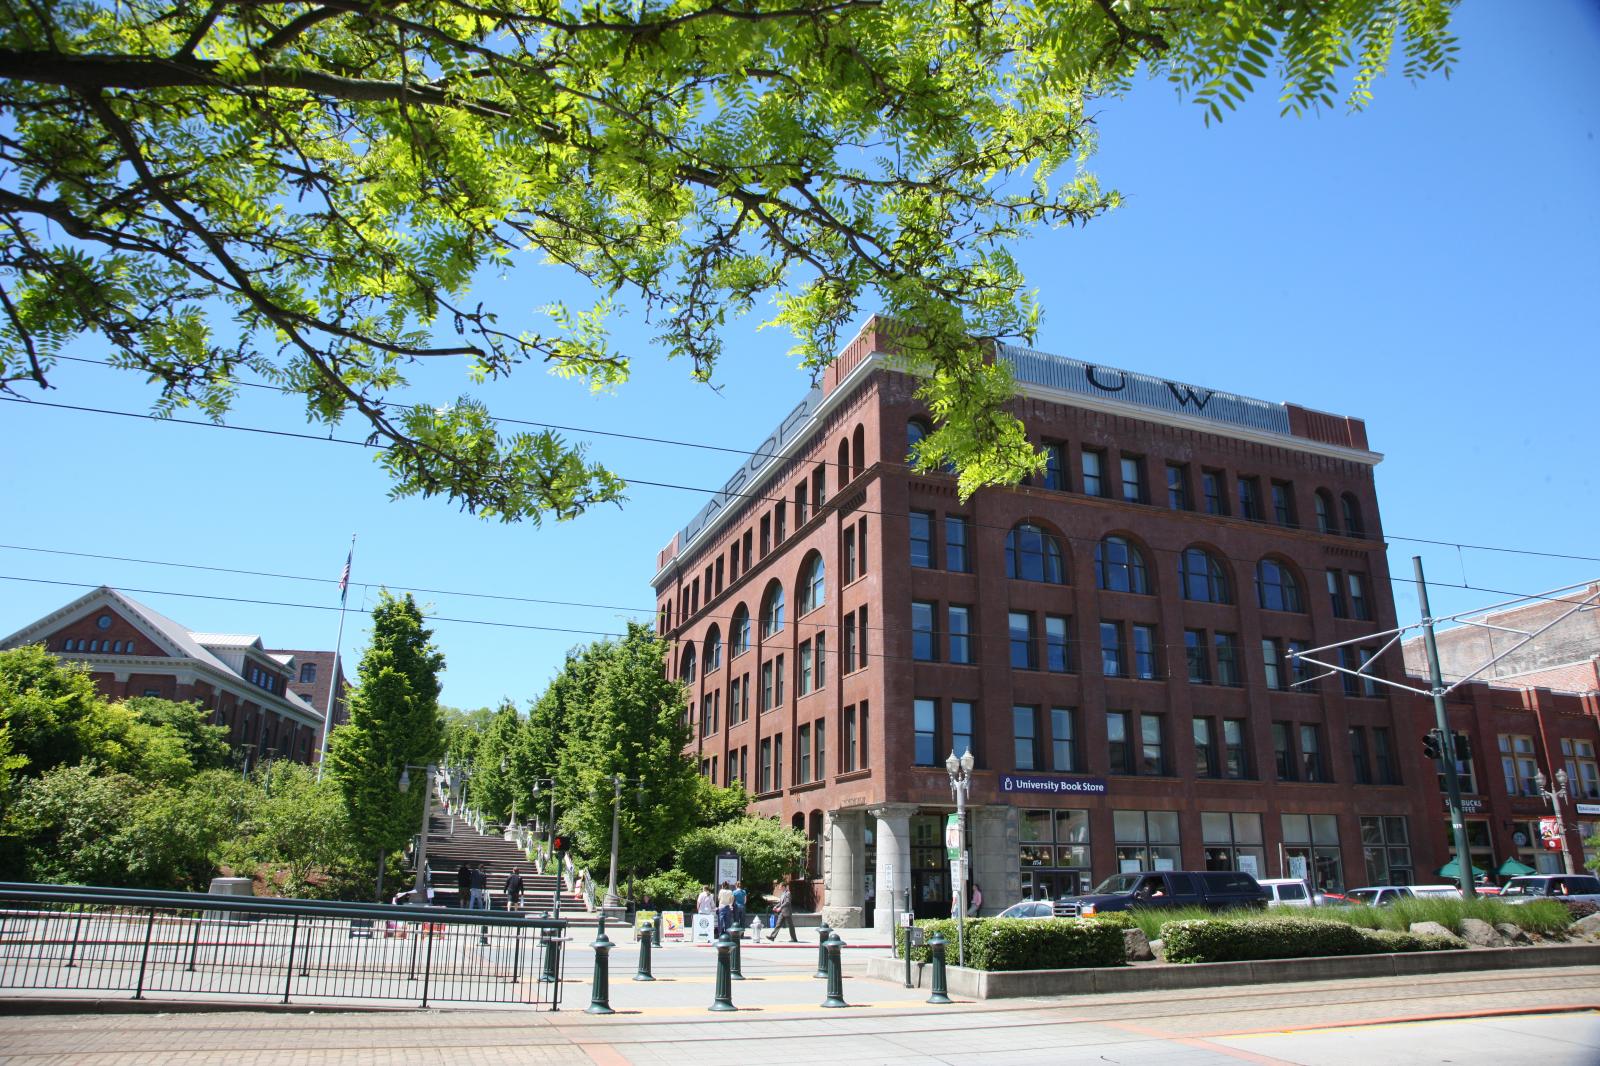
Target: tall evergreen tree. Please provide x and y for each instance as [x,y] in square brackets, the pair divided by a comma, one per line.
[394,722]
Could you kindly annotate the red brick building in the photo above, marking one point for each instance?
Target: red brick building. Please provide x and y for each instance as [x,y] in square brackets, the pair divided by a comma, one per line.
[132,650]
[1110,641]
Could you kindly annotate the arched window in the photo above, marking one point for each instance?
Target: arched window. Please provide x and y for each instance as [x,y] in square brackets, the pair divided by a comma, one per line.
[1033,555]
[1119,566]
[712,660]
[1202,578]
[858,452]
[1352,516]
[844,462]
[1276,586]
[739,633]
[916,431]
[686,668]
[813,590]
[772,610]
[1324,500]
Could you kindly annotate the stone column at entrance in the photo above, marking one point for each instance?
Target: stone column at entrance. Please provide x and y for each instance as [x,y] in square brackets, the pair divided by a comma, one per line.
[842,854]
[993,837]
[894,860]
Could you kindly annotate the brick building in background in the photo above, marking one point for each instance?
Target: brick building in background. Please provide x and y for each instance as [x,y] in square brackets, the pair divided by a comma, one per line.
[1110,640]
[131,650]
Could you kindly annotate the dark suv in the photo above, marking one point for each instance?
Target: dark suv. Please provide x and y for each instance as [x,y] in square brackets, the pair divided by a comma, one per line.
[1212,889]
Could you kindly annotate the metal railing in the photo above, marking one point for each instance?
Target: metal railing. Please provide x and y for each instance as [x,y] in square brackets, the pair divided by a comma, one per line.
[82,940]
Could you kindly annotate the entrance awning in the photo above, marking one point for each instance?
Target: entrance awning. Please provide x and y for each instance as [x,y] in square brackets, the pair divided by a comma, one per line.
[1450,869]
[1513,868]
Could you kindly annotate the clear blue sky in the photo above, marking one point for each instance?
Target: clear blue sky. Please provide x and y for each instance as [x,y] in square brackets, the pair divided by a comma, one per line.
[1429,266]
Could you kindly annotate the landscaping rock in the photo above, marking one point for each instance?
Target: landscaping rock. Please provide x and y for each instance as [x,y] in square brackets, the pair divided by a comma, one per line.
[1432,929]
[1480,934]
[1585,928]
[1513,933]
[1158,948]
[1136,946]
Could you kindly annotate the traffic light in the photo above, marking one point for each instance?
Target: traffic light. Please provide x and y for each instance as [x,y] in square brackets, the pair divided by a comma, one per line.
[559,843]
[1433,744]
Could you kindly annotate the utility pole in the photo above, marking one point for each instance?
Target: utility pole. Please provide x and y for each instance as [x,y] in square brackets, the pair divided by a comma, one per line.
[1447,735]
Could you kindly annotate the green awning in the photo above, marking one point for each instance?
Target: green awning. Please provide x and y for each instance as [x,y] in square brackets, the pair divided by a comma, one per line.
[1513,868]
[1448,870]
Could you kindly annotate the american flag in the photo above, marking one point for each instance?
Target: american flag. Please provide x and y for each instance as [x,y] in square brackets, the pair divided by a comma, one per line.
[344,577]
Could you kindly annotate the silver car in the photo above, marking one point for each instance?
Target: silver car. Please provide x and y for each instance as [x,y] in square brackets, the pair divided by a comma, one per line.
[1029,908]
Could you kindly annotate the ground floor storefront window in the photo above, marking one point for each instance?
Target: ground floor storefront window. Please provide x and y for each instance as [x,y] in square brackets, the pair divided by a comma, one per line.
[1233,842]
[1147,840]
[1054,853]
[1386,847]
[1311,850]
[1531,850]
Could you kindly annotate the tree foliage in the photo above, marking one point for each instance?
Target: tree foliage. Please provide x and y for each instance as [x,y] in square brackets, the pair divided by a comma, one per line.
[767,849]
[306,192]
[394,722]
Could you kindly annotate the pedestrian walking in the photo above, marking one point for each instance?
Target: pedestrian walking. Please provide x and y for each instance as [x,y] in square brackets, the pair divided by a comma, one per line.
[513,891]
[783,914]
[739,900]
[480,888]
[706,903]
[464,886]
[974,901]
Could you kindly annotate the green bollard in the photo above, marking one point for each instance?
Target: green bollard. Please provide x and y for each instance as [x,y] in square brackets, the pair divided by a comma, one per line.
[600,996]
[552,957]
[835,976]
[822,950]
[658,924]
[737,965]
[644,953]
[941,993]
[724,1000]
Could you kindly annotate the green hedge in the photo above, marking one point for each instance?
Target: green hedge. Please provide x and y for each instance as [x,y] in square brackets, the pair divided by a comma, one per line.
[1026,943]
[1209,940]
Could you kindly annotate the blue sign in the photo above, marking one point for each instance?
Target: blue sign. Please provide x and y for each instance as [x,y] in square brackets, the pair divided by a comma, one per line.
[1046,785]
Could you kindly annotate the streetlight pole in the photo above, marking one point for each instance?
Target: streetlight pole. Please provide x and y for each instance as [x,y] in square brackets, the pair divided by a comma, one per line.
[960,771]
[419,895]
[1555,796]
[612,899]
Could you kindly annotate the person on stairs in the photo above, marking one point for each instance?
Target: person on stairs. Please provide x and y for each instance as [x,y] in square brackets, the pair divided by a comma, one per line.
[513,891]
[463,885]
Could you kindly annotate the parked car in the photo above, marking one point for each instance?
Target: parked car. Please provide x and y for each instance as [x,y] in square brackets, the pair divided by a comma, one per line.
[1552,886]
[1212,889]
[1029,908]
[1383,895]
[1288,892]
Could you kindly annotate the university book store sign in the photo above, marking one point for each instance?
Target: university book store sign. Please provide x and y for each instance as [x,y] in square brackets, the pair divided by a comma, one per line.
[1051,785]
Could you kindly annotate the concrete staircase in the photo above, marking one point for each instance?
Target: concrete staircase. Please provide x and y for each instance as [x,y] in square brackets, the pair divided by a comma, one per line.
[452,841]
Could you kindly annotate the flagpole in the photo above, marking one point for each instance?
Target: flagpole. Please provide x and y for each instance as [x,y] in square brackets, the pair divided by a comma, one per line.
[333,670]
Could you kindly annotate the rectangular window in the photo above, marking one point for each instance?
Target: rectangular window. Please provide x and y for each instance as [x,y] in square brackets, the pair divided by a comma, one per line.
[733,560]
[866,734]
[822,659]
[961,732]
[1272,663]
[1093,478]
[1312,767]
[1057,645]
[777,761]
[1358,597]
[719,574]
[819,736]
[1133,490]
[1249,498]
[802,754]
[767,673]
[861,547]
[1025,735]
[848,645]
[819,487]
[925,715]
[921,539]
[1300,676]
[1023,656]
[764,768]
[1152,756]
[1369,687]
[1112,663]
[1211,489]
[1205,748]
[1336,594]
[957,535]
[1235,755]
[924,631]
[960,634]
[800,499]
[1283,504]
[766,535]
[1144,652]
[1196,656]
[745,554]
[1518,764]
[849,554]
[851,738]
[803,688]
[861,661]
[1055,474]
[1583,773]
[1283,751]
[1063,740]
[1118,751]
[1227,648]
[1178,487]
[777,684]
[1360,768]
[1383,757]
[707,727]
[780,525]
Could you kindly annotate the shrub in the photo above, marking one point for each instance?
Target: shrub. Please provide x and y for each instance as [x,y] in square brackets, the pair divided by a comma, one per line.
[1225,940]
[1396,940]
[1116,919]
[1579,908]
[1025,943]
[668,890]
